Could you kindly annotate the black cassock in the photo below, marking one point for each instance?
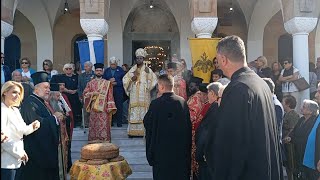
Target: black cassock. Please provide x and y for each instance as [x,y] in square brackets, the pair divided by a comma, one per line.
[42,145]
[207,124]
[168,137]
[246,145]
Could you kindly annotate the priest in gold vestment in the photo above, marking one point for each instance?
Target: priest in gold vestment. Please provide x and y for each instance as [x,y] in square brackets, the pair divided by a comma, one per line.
[138,83]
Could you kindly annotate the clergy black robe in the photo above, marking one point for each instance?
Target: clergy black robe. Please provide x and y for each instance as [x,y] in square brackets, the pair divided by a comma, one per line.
[42,145]
[299,137]
[246,144]
[168,137]
[201,139]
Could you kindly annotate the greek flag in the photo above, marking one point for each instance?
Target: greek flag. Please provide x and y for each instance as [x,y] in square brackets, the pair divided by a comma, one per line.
[84,52]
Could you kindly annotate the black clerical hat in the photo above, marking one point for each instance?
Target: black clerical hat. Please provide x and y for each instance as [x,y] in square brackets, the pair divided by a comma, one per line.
[196,80]
[172,65]
[54,87]
[57,79]
[98,65]
[203,87]
[40,77]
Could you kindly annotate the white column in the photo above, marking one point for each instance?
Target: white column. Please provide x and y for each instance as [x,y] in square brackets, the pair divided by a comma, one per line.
[6,30]
[95,29]
[300,27]
[203,27]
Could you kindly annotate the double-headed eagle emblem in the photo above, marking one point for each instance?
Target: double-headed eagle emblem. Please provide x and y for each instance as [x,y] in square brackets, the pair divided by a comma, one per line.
[204,64]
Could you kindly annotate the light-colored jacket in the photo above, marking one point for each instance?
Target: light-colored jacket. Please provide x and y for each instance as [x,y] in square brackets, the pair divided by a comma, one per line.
[13,126]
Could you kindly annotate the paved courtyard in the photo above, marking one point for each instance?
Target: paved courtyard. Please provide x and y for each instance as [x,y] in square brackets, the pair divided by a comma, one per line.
[132,149]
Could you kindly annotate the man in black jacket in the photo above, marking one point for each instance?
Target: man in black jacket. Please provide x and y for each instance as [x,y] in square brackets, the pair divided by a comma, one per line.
[168,134]
[246,144]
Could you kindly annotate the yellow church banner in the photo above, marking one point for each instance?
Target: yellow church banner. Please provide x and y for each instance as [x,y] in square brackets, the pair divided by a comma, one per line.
[203,51]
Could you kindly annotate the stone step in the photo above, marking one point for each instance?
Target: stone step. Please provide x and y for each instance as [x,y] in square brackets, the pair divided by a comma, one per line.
[140,176]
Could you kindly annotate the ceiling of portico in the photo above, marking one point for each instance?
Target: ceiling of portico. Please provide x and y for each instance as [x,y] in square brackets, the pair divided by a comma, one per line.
[244,6]
[55,7]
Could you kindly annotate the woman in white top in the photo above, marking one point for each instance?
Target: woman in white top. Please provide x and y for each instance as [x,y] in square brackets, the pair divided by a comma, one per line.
[13,126]
[26,70]
[288,74]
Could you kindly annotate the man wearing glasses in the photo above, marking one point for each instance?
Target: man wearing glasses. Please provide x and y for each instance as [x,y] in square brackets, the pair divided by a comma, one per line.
[5,71]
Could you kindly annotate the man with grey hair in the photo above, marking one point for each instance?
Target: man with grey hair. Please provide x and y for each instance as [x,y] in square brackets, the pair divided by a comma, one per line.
[83,80]
[16,76]
[42,146]
[207,124]
[246,117]
[115,73]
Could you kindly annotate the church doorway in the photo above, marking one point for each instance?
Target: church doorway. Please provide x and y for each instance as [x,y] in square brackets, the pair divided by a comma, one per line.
[155,29]
[12,51]
[158,52]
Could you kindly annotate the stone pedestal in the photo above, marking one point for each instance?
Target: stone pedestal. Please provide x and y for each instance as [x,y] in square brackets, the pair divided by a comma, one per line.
[203,27]
[6,30]
[300,27]
[95,29]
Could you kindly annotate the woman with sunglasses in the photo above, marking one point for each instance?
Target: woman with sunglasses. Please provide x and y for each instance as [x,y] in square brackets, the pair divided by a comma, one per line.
[47,66]
[71,90]
[26,70]
[287,76]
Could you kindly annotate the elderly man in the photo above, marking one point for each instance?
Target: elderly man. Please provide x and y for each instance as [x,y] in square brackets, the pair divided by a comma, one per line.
[41,146]
[246,144]
[16,76]
[83,79]
[138,83]
[115,73]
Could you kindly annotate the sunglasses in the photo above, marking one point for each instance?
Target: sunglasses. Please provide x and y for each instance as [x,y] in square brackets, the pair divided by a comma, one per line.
[24,63]
[45,64]
[68,68]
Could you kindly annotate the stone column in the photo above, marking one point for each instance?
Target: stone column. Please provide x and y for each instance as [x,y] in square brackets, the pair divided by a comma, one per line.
[93,20]
[300,27]
[95,29]
[204,17]
[6,30]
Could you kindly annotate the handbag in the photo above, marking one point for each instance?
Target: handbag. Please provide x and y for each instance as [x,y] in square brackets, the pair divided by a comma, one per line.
[301,84]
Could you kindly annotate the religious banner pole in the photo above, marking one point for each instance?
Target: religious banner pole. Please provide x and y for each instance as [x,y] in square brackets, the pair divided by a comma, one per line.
[203,52]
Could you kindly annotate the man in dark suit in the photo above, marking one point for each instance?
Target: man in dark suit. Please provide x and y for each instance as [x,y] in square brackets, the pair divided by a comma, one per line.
[115,73]
[5,71]
[168,133]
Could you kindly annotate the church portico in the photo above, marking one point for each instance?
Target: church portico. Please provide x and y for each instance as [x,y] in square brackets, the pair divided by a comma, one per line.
[119,23]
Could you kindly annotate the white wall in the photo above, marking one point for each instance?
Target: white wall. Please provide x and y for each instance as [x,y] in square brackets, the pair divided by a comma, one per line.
[262,13]
[115,35]
[181,11]
[317,41]
[37,14]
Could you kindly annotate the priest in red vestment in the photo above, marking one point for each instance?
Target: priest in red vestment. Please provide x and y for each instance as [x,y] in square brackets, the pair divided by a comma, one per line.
[196,104]
[98,100]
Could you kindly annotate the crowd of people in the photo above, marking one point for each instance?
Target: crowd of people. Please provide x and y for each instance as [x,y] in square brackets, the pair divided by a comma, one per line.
[247,123]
